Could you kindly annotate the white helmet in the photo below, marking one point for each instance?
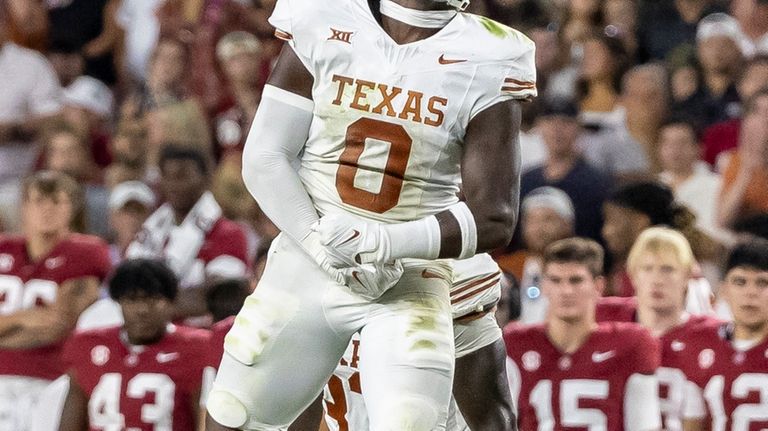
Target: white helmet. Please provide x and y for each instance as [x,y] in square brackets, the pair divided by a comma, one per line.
[458,4]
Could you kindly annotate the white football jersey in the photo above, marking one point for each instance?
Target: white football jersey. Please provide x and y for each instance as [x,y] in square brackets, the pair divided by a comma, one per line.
[389,119]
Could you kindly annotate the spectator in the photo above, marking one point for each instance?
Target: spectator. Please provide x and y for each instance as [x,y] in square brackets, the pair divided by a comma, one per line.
[752,16]
[547,216]
[605,62]
[202,24]
[555,75]
[146,352]
[692,182]
[620,17]
[67,61]
[566,169]
[130,203]
[67,152]
[189,230]
[27,23]
[239,56]
[128,150]
[645,103]
[30,98]
[667,25]
[88,107]
[225,297]
[745,180]
[141,26]
[50,275]
[90,27]
[720,52]
[581,19]
[634,207]
[724,136]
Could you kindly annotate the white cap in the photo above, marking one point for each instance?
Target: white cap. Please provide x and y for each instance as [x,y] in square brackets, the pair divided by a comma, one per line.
[552,198]
[131,191]
[91,94]
[722,24]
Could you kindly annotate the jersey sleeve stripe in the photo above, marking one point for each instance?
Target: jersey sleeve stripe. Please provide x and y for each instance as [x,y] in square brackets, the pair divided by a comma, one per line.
[461,289]
[283,35]
[480,289]
[520,83]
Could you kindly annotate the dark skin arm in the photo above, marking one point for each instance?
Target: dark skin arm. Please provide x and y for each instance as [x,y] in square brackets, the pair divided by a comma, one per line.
[481,389]
[74,416]
[490,164]
[311,418]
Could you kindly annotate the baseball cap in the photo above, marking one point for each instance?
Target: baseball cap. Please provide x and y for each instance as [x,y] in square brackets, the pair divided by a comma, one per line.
[722,24]
[91,94]
[131,191]
[237,42]
[552,198]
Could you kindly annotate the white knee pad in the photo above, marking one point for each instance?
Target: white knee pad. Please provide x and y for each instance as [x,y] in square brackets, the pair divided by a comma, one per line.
[410,413]
[227,409]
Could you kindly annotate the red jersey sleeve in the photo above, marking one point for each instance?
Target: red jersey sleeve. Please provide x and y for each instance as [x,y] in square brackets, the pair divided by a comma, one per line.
[645,351]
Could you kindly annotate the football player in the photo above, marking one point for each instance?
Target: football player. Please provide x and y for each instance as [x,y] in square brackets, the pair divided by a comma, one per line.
[572,372]
[385,110]
[145,374]
[47,278]
[730,360]
[660,264]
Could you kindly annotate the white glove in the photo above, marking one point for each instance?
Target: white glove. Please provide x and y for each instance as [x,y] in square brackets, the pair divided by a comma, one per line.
[368,281]
[371,281]
[311,244]
[350,241]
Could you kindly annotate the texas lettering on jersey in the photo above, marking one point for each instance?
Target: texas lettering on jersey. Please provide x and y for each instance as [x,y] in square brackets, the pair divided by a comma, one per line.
[385,98]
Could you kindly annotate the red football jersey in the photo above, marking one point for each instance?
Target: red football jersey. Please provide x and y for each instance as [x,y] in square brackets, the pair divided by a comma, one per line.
[676,363]
[148,387]
[734,383]
[25,284]
[219,331]
[577,391]
[616,309]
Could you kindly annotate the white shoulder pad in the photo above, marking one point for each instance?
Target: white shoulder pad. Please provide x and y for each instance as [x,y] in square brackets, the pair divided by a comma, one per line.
[297,22]
[507,62]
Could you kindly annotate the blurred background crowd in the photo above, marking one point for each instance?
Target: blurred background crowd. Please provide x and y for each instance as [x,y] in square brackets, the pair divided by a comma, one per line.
[650,112]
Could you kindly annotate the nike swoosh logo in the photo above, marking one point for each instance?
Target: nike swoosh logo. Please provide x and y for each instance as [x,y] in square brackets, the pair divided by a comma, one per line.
[167,357]
[355,234]
[354,274]
[430,274]
[443,60]
[603,356]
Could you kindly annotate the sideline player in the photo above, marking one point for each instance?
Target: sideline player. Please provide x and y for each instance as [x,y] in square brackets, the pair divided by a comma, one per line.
[660,265]
[387,109]
[573,372]
[47,278]
[145,374]
[730,360]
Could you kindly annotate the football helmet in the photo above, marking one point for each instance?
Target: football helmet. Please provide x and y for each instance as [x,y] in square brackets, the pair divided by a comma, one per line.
[458,4]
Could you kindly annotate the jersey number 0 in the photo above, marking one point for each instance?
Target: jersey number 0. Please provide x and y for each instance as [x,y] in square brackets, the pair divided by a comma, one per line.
[394,171]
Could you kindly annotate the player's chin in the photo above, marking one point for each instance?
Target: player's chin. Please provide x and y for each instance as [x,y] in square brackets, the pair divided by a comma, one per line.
[142,333]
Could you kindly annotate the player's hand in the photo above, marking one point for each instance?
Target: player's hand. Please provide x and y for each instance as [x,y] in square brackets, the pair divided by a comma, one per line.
[371,281]
[311,244]
[350,241]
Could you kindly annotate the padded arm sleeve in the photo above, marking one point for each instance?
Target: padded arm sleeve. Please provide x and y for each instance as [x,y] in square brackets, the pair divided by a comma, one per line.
[278,134]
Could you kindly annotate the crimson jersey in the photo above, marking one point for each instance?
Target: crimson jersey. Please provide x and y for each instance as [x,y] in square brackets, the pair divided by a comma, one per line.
[733,382]
[26,284]
[218,332]
[557,391]
[676,362]
[152,387]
